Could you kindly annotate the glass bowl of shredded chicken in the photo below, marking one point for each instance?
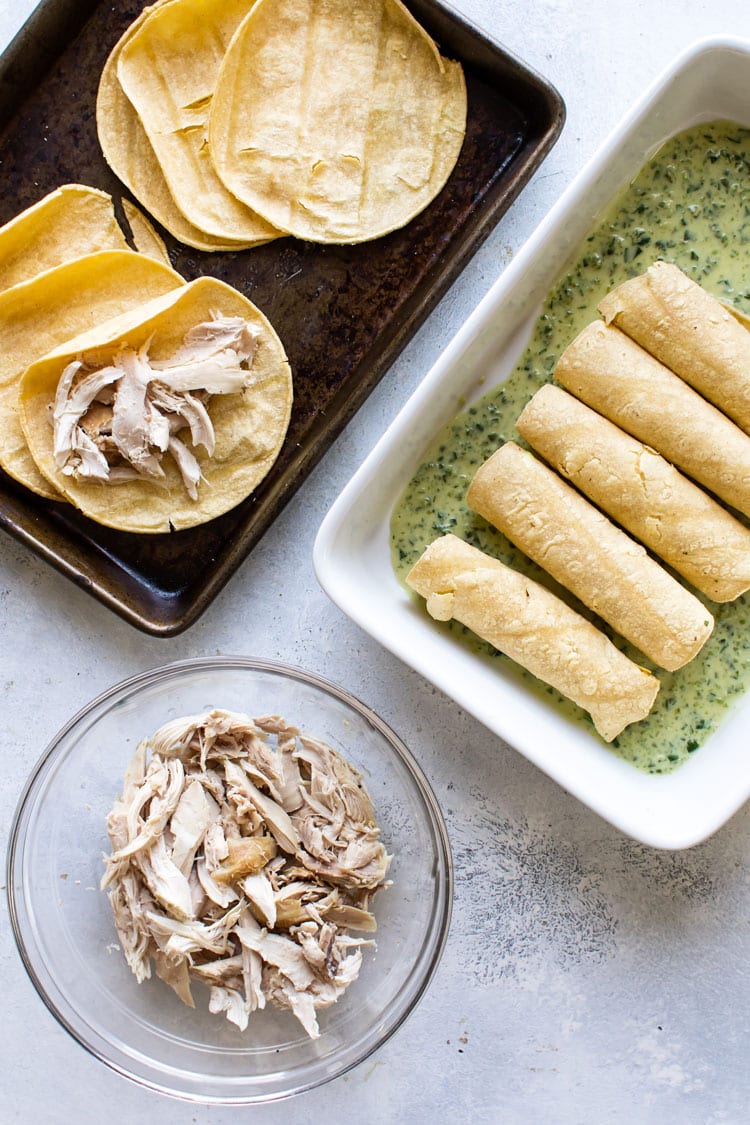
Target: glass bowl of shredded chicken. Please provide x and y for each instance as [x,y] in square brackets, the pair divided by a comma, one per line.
[229,880]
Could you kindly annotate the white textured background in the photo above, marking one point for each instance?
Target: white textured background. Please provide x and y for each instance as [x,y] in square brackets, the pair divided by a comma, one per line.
[587,979]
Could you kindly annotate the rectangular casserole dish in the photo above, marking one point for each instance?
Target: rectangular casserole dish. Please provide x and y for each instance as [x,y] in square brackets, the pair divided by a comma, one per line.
[709,81]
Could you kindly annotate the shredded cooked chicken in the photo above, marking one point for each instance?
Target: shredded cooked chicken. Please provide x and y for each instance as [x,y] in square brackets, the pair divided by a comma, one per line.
[243,853]
[116,423]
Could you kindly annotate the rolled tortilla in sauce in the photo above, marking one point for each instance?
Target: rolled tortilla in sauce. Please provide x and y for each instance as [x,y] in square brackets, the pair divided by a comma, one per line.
[607,570]
[615,376]
[690,331]
[536,629]
[646,495]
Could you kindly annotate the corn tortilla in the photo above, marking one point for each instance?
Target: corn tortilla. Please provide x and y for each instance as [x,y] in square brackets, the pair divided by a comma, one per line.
[145,238]
[70,222]
[129,154]
[338,120]
[41,314]
[167,67]
[250,426]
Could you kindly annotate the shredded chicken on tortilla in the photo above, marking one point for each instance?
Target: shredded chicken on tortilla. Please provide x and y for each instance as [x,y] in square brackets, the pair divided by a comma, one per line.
[116,422]
[243,854]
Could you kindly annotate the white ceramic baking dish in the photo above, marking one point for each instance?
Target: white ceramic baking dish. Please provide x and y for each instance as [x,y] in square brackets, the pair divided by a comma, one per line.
[709,81]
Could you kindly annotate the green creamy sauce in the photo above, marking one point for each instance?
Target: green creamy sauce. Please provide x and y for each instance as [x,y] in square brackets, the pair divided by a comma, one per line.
[690,205]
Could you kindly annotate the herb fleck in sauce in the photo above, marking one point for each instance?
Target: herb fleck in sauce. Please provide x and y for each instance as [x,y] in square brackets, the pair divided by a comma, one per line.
[689,205]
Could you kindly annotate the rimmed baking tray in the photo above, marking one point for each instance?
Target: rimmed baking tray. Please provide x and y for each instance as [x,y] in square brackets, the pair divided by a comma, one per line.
[343,312]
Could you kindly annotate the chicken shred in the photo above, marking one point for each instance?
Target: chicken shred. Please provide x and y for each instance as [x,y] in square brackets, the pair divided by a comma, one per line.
[115,423]
[243,854]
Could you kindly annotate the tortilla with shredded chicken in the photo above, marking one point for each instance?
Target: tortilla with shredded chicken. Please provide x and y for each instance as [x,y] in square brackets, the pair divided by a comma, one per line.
[243,854]
[44,312]
[165,417]
[116,422]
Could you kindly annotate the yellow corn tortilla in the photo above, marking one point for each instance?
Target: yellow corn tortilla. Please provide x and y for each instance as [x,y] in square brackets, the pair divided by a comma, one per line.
[338,120]
[145,238]
[41,314]
[250,426]
[70,222]
[129,154]
[167,67]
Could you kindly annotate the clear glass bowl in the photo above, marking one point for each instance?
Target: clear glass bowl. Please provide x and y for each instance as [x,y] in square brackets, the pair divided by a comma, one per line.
[63,923]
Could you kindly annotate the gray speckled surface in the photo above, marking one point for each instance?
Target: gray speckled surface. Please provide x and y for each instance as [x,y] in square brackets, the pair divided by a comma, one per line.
[586,978]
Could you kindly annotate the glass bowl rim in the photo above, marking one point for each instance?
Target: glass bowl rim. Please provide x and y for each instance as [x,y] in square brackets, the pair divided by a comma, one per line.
[433,811]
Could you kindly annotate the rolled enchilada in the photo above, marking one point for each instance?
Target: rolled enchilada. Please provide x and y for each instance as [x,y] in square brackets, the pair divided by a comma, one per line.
[606,569]
[536,629]
[646,495]
[690,331]
[615,376]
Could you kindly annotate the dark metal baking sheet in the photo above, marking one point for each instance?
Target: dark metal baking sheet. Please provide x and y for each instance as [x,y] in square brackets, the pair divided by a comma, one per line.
[342,312]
